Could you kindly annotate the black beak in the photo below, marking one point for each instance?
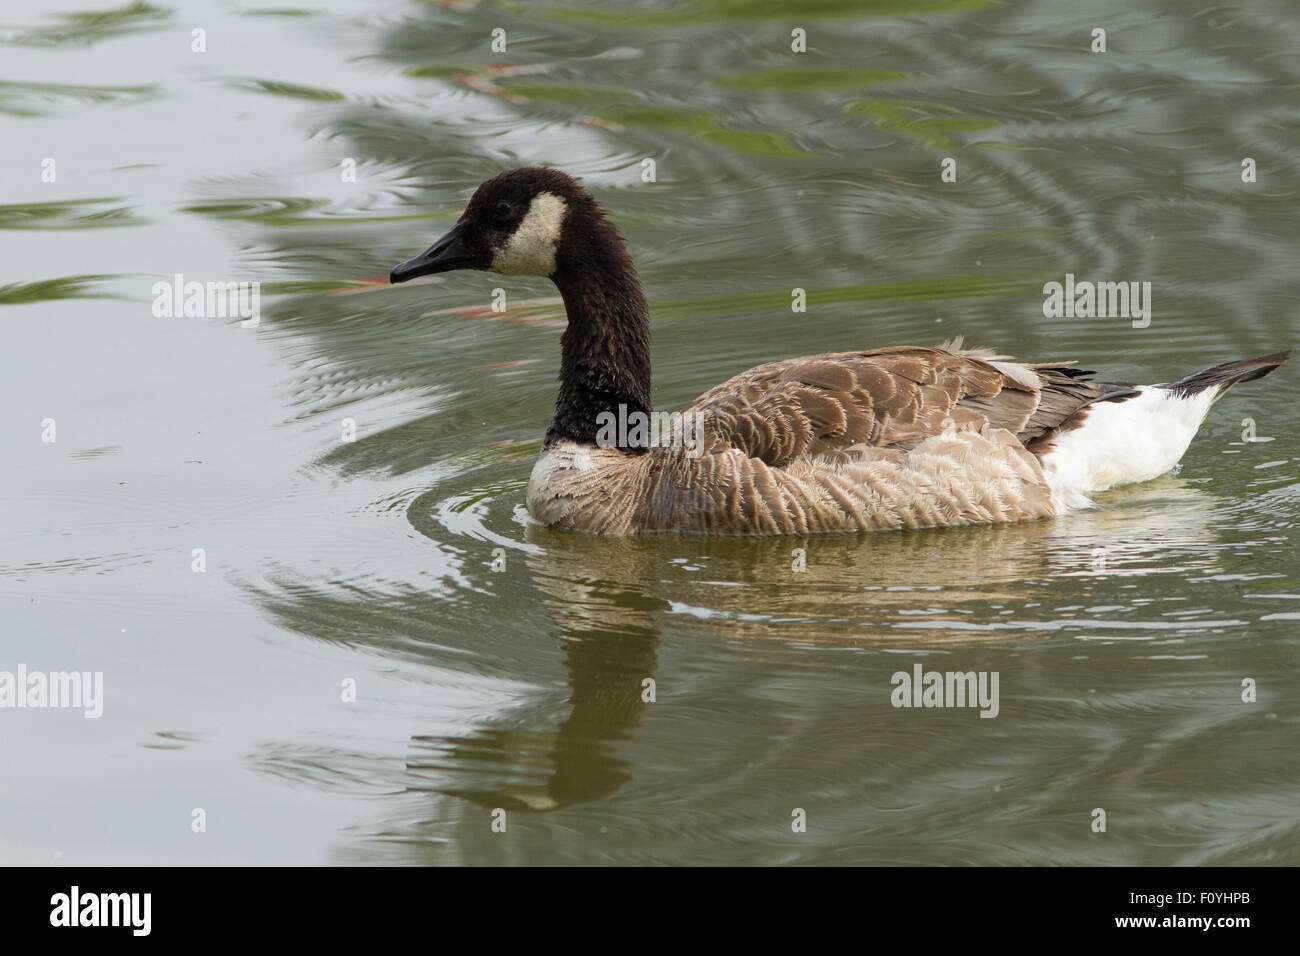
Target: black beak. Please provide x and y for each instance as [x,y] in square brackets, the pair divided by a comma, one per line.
[446,254]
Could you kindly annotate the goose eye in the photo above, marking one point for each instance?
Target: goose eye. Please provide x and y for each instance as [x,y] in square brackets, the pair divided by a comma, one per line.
[503,209]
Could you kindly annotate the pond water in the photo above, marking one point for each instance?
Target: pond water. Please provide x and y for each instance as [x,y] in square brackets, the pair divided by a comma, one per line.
[499,665]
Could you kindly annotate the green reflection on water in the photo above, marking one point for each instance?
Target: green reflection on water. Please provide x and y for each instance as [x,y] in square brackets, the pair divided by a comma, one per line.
[68,287]
[292,90]
[809,81]
[703,11]
[69,214]
[29,99]
[704,125]
[84,29]
[919,120]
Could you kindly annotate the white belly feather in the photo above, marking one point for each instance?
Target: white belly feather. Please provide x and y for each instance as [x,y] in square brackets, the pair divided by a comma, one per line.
[1124,442]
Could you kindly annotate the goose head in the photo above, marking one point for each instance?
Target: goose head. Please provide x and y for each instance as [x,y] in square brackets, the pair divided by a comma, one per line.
[518,224]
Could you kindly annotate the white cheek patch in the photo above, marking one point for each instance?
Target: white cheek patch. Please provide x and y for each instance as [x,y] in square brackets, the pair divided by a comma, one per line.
[530,250]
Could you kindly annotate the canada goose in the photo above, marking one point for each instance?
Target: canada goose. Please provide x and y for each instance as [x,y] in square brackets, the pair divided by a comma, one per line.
[902,437]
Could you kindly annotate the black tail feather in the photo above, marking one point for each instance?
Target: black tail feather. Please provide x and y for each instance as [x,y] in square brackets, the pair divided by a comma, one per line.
[1228,374]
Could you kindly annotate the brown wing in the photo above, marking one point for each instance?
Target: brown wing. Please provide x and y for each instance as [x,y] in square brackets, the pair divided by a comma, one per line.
[891,398]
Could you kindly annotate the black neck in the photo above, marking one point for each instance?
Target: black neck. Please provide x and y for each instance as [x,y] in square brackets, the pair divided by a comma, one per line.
[605,351]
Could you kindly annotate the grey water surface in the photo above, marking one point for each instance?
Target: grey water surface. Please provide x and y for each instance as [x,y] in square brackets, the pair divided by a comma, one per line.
[1121,635]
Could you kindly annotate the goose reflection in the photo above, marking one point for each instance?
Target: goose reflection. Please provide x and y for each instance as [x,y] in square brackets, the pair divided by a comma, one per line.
[609,643]
[607,600]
